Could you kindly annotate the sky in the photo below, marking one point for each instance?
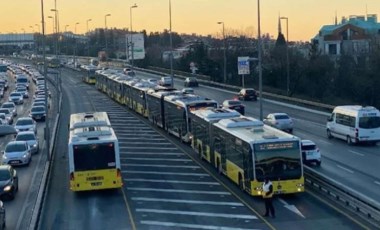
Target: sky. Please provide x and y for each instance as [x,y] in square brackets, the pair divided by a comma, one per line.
[305,17]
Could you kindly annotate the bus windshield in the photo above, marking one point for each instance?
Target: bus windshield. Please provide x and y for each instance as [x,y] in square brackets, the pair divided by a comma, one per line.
[278,161]
[94,156]
[369,122]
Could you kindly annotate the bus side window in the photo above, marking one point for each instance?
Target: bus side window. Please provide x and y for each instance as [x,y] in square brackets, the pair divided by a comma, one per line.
[331,118]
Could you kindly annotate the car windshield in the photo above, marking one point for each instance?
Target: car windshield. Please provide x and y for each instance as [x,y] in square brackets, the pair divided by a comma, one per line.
[24,122]
[15,95]
[22,80]
[281,117]
[25,137]
[8,106]
[6,111]
[15,148]
[249,91]
[4,175]
[308,147]
[234,103]
[38,109]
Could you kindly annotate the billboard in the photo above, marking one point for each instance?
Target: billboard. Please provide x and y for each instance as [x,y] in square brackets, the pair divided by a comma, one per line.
[138,46]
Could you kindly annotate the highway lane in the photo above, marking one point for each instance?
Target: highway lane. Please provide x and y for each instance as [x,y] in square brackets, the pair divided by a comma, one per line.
[19,210]
[157,190]
[361,161]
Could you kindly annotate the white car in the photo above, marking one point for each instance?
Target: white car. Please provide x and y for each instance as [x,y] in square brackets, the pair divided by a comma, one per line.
[25,124]
[8,114]
[4,119]
[16,98]
[31,138]
[188,90]
[166,81]
[310,152]
[11,106]
[17,153]
[280,121]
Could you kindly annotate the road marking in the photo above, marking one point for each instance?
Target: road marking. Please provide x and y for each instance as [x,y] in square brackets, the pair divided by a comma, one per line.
[144,143]
[133,225]
[324,142]
[139,138]
[172,181]
[178,191]
[150,153]
[357,153]
[291,207]
[163,166]
[155,159]
[165,173]
[192,226]
[346,169]
[377,182]
[224,215]
[147,147]
[188,201]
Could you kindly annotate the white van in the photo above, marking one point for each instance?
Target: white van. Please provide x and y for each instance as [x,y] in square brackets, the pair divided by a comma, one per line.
[354,124]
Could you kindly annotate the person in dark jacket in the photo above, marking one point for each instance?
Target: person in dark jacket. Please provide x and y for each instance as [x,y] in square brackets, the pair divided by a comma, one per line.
[268,196]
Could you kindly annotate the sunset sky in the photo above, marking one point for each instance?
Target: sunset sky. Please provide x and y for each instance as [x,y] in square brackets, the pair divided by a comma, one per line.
[188,16]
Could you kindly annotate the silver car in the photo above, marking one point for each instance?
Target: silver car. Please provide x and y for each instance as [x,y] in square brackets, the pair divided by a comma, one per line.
[30,138]
[280,121]
[17,98]
[17,153]
[11,106]
[8,114]
[25,124]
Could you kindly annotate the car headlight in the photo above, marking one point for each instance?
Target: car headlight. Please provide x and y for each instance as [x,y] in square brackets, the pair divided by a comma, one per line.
[7,188]
[4,156]
[35,145]
[25,155]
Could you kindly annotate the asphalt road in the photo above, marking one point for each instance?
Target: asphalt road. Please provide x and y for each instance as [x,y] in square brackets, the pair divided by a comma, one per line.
[165,184]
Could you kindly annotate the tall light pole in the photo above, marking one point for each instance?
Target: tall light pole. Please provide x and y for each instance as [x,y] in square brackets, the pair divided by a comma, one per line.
[105,31]
[287,57]
[130,21]
[171,43]
[47,131]
[88,36]
[260,60]
[75,48]
[23,37]
[224,54]
[56,29]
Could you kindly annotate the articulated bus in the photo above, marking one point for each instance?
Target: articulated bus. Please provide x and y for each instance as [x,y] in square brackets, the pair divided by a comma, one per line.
[247,151]
[170,110]
[94,155]
[88,74]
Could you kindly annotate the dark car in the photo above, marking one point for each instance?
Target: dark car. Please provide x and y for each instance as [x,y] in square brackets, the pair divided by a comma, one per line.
[8,182]
[248,94]
[38,113]
[235,105]
[191,82]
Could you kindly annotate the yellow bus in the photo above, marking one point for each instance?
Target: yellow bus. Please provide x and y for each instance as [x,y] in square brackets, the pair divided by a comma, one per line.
[94,155]
[247,151]
[88,74]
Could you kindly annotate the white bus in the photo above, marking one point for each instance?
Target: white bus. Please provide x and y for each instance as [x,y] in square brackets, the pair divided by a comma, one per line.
[94,155]
[354,124]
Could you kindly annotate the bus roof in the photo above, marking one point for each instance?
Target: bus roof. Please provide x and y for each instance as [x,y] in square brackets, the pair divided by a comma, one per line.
[188,99]
[356,110]
[80,120]
[215,114]
[252,130]
[92,133]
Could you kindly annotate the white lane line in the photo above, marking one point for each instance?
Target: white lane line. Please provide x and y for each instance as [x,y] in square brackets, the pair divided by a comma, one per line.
[324,142]
[158,138]
[165,173]
[162,166]
[191,226]
[147,143]
[150,153]
[346,169]
[178,191]
[154,159]
[188,201]
[377,182]
[357,153]
[171,181]
[224,215]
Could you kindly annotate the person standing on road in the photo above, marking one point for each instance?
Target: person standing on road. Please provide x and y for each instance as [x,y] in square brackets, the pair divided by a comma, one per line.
[268,195]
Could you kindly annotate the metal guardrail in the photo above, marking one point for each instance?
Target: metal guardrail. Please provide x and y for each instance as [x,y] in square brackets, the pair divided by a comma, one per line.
[365,207]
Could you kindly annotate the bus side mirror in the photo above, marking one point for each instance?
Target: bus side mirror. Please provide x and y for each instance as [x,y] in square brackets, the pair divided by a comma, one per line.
[329,119]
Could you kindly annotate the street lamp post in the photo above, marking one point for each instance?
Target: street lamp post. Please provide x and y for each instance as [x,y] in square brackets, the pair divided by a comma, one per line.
[224,55]
[105,31]
[75,48]
[171,44]
[88,37]
[260,59]
[56,29]
[130,21]
[67,43]
[23,38]
[52,22]
[287,57]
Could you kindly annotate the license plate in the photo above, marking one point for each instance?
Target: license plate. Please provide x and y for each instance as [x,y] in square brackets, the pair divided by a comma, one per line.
[14,162]
[96,183]
[309,153]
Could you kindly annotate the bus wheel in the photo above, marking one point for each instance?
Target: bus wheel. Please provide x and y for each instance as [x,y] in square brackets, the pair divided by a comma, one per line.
[349,141]
[329,136]
[241,184]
